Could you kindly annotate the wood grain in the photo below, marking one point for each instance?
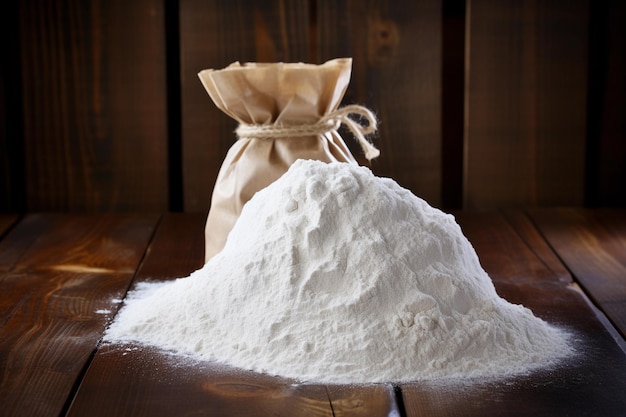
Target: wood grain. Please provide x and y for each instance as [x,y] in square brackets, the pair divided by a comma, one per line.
[214,34]
[591,383]
[593,246]
[63,245]
[396,48]
[526,103]
[57,299]
[94,105]
[15,244]
[67,242]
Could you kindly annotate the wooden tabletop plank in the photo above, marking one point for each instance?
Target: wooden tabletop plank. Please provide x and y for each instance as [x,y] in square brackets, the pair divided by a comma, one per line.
[500,244]
[592,383]
[15,243]
[135,380]
[528,232]
[12,248]
[58,296]
[592,243]
[77,244]
[178,247]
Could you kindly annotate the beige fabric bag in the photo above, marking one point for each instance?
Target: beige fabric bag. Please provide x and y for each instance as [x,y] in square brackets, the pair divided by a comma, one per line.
[286,111]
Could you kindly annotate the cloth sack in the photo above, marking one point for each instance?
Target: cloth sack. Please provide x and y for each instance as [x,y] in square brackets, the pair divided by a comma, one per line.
[286,111]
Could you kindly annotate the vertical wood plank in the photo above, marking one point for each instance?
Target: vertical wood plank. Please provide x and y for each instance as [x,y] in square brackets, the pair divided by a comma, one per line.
[396,48]
[57,299]
[213,34]
[94,105]
[526,120]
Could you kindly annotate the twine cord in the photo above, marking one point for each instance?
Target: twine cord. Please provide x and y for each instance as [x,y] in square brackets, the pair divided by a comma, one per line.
[328,123]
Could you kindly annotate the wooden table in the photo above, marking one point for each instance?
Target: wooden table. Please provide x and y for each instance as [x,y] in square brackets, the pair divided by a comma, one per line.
[62,277]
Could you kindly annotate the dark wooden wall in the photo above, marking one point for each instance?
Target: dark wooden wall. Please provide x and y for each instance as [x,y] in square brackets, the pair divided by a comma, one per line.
[483,103]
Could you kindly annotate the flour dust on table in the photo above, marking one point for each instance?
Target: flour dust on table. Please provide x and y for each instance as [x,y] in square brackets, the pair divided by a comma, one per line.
[335,275]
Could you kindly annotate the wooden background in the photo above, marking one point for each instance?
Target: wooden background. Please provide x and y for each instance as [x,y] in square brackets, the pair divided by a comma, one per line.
[483,103]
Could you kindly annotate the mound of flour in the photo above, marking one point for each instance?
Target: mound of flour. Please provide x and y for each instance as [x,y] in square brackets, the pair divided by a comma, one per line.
[332,274]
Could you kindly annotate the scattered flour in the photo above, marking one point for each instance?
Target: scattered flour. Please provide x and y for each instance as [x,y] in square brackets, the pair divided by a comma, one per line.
[334,275]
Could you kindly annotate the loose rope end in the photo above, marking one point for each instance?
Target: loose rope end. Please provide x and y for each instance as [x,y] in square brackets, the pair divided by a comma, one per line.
[358,129]
[372,153]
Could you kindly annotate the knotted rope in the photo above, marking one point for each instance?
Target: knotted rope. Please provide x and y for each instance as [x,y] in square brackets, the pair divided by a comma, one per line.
[328,123]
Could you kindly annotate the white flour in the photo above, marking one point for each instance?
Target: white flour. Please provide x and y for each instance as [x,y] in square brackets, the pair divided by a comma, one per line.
[334,275]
